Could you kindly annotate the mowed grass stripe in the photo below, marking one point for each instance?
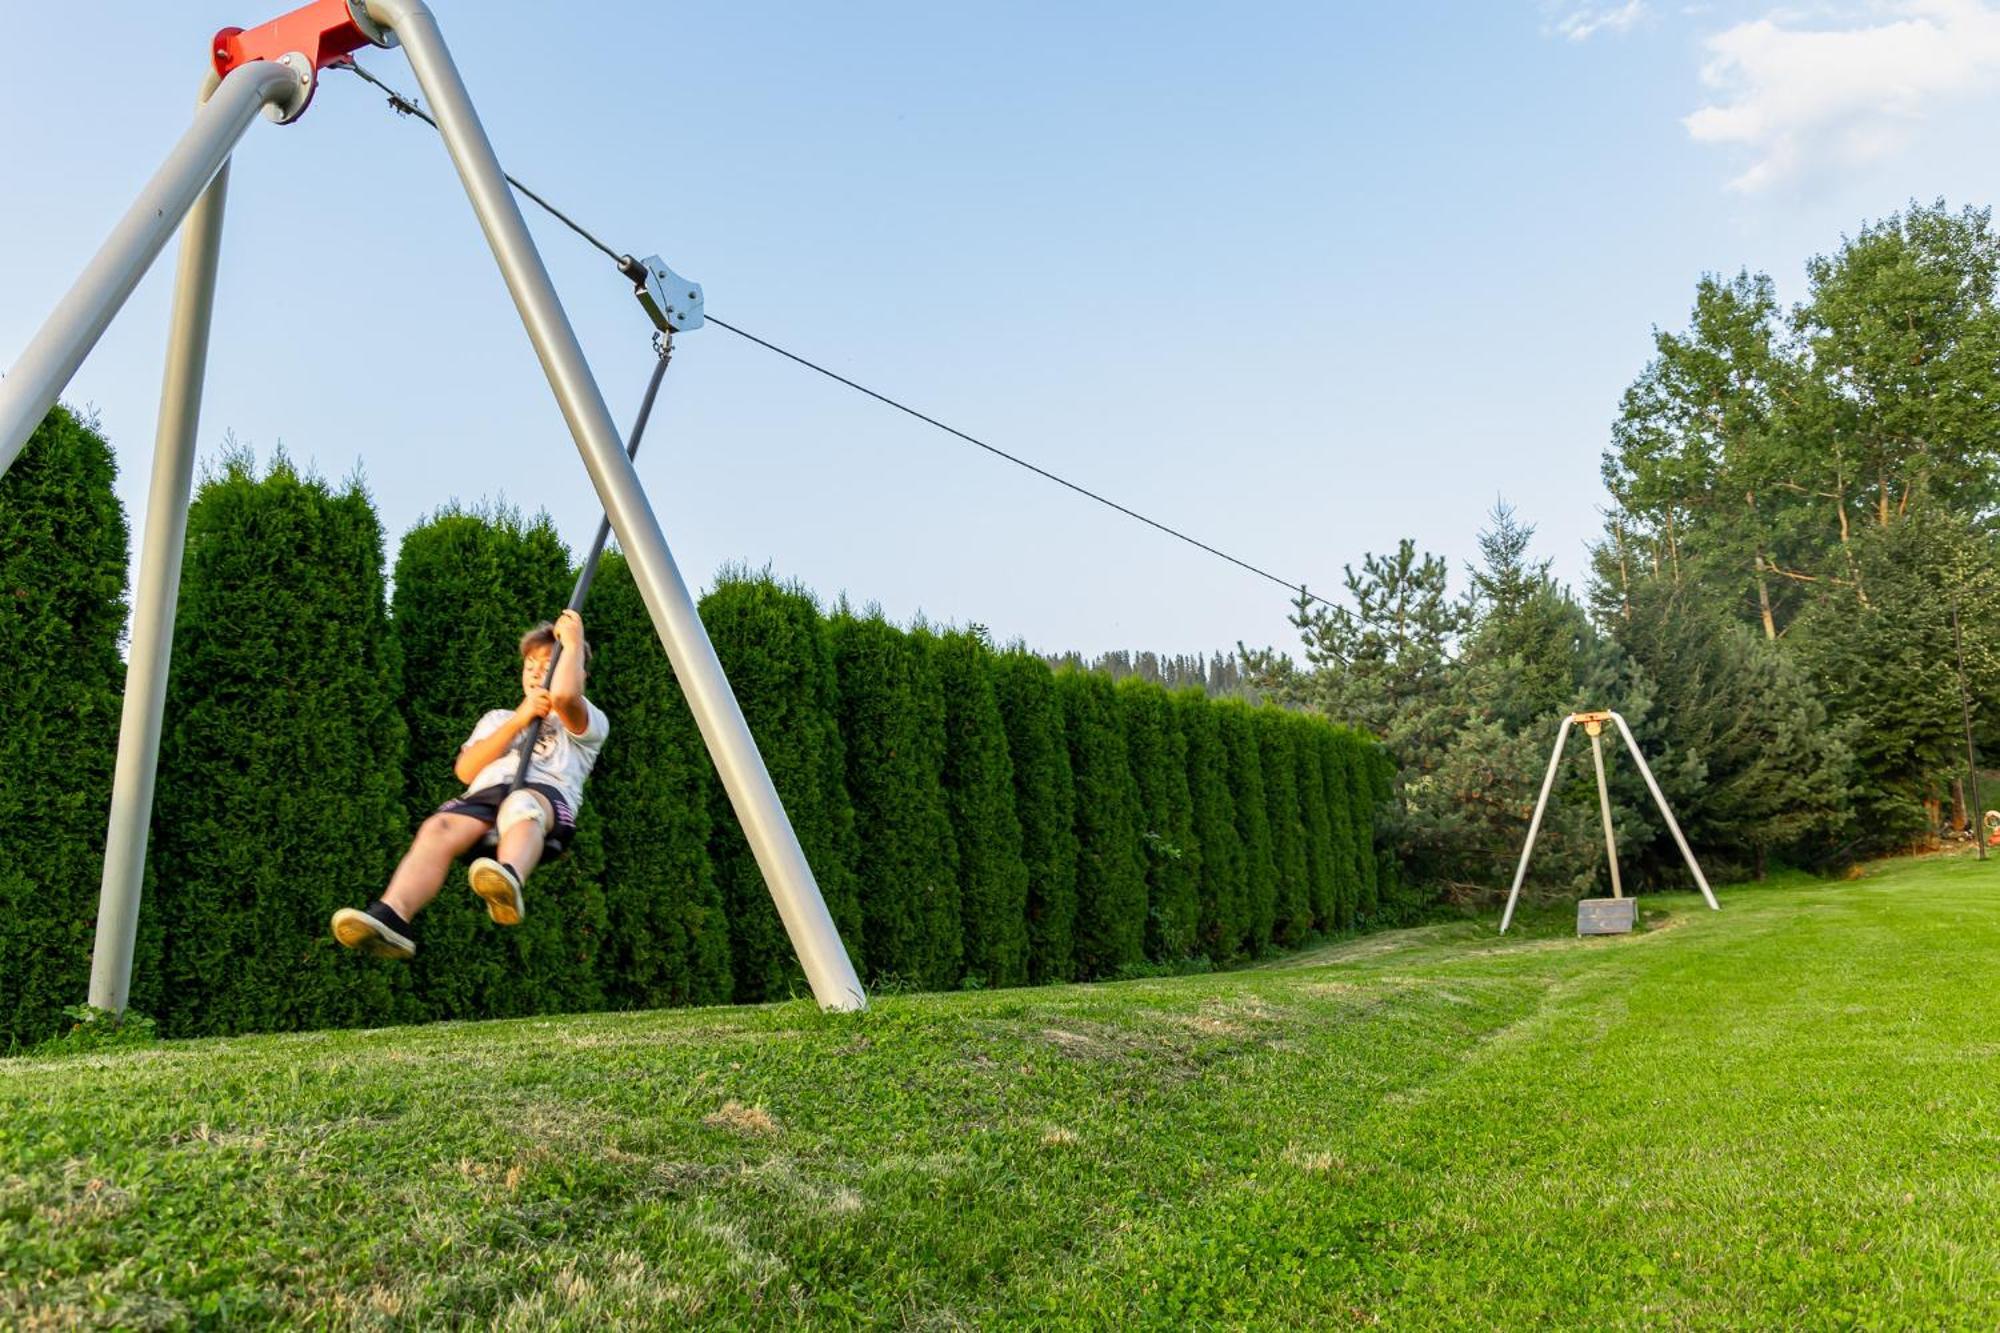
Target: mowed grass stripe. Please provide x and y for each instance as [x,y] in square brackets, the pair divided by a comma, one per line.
[1778,1114]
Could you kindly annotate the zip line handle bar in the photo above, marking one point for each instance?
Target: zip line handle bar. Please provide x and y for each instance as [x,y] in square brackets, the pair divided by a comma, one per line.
[533,733]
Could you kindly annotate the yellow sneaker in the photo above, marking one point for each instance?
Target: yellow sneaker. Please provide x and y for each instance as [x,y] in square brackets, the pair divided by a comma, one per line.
[500,888]
[370,933]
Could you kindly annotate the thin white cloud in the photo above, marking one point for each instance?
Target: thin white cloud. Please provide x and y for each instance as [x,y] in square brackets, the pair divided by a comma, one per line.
[1581,22]
[1804,100]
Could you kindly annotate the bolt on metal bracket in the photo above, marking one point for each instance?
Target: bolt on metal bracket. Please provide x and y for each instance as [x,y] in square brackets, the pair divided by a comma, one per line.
[671,301]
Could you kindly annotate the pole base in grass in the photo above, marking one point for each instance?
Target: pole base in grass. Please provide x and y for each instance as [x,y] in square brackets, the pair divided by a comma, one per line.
[1607,916]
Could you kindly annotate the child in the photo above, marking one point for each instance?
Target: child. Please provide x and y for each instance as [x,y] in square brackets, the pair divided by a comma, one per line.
[541,815]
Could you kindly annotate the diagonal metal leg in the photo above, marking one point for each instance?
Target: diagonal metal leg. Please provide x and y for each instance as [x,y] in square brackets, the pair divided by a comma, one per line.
[30,389]
[737,762]
[1673,826]
[159,580]
[1535,824]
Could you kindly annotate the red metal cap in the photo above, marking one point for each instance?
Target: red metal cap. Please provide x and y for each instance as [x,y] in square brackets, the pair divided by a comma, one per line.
[323,32]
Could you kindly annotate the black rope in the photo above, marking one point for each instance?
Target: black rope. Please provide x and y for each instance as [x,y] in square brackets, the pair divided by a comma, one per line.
[1018,461]
[405,106]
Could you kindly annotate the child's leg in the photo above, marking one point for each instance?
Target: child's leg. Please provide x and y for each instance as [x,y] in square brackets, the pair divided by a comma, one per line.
[440,841]
[521,845]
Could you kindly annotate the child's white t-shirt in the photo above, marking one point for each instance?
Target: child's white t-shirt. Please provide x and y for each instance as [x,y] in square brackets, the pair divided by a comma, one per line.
[561,759]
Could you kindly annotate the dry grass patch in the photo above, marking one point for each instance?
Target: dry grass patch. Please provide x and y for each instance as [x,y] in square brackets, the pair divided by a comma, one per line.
[748,1121]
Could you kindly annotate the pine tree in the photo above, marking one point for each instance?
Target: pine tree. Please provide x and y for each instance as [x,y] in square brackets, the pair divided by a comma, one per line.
[979,791]
[1886,666]
[1110,874]
[1390,891]
[1253,824]
[1045,803]
[1157,753]
[468,582]
[668,939]
[1739,738]
[773,646]
[279,792]
[892,729]
[1291,920]
[62,573]
[1222,911]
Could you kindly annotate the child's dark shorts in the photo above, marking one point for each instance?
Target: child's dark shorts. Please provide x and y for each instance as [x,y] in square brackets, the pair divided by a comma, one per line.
[484,804]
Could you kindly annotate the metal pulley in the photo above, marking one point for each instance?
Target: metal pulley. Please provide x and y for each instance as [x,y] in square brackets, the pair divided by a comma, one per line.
[672,302]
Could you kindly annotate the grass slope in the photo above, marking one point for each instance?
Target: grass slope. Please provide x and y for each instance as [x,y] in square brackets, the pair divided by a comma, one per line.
[1783,1115]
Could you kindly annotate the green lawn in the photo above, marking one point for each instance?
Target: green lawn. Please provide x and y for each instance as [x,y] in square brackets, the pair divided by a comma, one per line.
[1785,1114]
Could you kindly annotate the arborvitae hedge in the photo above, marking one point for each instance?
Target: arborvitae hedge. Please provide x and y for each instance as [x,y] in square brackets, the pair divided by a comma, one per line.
[892,726]
[773,646]
[62,583]
[979,791]
[1253,824]
[1016,824]
[280,780]
[1222,913]
[1110,870]
[1291,920]
[1157,753]
[1045,803]
[668,936]
[467,584]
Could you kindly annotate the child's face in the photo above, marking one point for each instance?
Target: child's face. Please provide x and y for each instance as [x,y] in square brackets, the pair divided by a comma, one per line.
[534,668]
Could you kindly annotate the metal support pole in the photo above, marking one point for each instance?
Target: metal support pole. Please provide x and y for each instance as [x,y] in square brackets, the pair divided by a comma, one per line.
[153,604]
[716,713]
[1673,825]
[44,369]
[1604,803]
[1535,824]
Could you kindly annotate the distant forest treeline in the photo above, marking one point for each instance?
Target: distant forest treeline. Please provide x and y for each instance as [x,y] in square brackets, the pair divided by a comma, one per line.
[1795,600]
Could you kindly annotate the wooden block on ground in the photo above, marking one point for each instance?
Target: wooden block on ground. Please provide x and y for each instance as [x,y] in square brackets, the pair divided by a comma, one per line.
[1607,916]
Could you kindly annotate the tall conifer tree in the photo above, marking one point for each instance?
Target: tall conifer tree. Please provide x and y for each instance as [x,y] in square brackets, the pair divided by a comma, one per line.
[279,793]
[1222,912]
[773,645]
[1292,909]
[1253,824]
[1110,874]
[62,574]
[892,730]
[668,939]
[1316,821]
[979,791]
[1158,755]
[1349,825]
[1045,803]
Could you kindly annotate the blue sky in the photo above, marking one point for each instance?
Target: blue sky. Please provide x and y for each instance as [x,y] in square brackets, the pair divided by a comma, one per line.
[1300,278]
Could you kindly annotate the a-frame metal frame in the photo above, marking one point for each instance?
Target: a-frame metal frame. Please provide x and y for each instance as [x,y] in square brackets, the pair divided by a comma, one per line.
[1593,724]
[274,70]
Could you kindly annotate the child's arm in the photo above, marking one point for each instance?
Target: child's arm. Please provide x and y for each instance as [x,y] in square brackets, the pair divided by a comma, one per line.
[478,754]
[566,689]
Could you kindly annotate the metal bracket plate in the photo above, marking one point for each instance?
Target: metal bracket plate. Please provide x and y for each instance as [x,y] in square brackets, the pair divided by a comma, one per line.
[672,302]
